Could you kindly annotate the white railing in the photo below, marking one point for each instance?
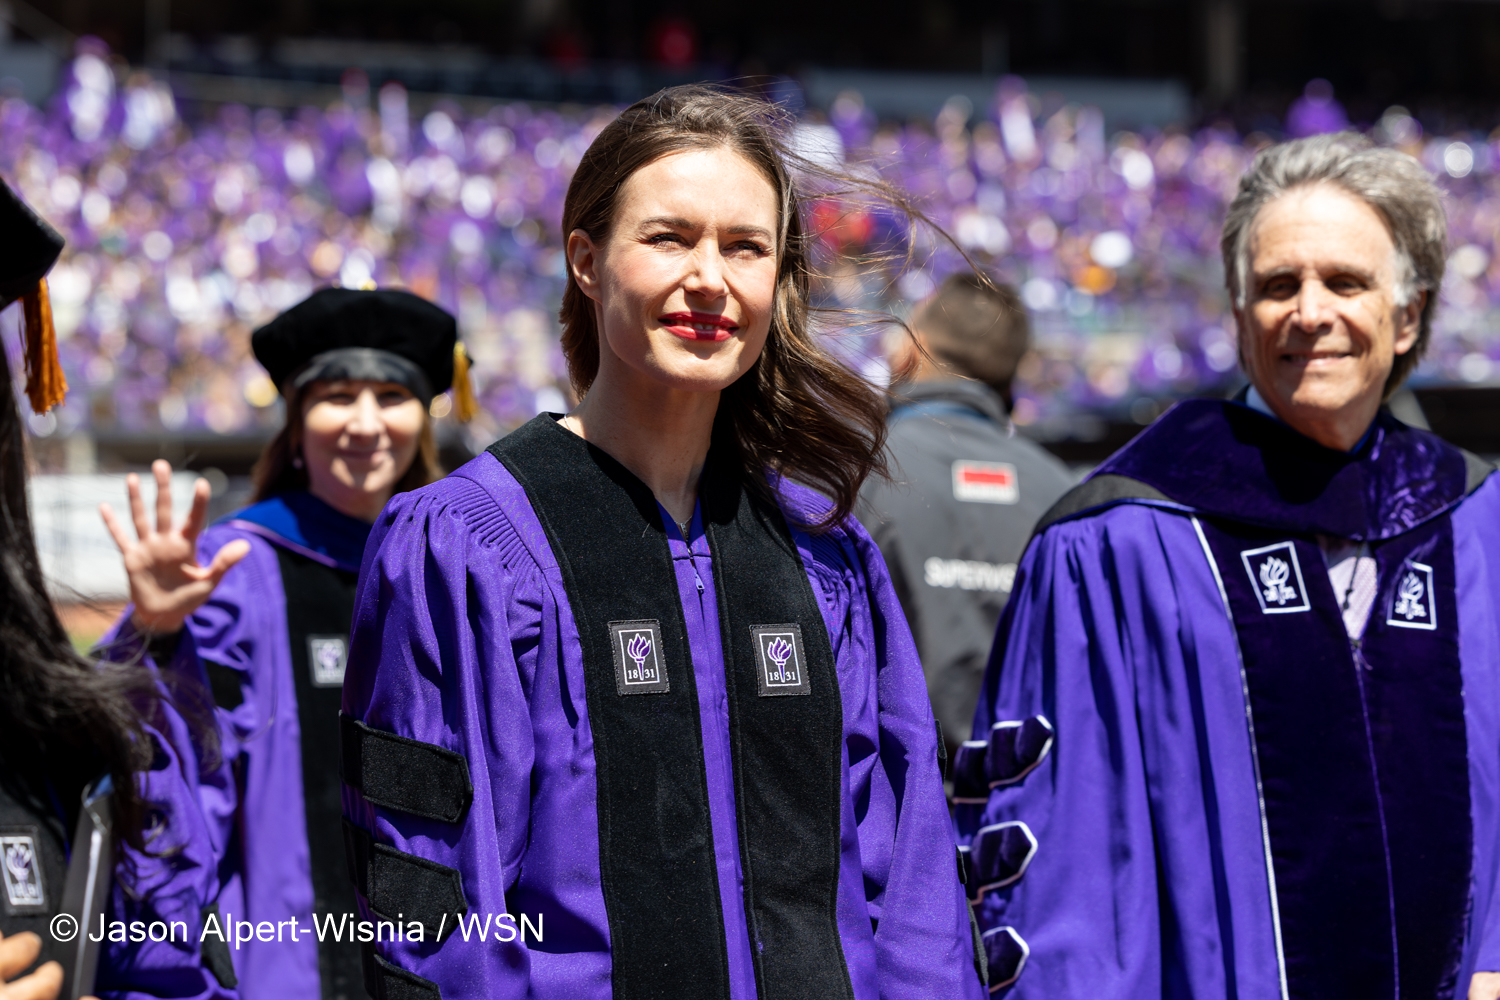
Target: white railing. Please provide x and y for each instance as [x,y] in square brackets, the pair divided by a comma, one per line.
[79,558]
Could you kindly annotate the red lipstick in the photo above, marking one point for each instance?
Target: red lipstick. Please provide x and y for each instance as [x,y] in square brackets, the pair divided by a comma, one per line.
[699,326]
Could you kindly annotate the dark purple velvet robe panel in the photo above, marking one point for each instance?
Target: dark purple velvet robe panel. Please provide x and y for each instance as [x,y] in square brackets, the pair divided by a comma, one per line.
[1362,760]
[1234,462]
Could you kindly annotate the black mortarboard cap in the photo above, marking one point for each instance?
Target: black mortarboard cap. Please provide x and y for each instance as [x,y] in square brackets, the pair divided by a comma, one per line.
[28,247]
[381,334]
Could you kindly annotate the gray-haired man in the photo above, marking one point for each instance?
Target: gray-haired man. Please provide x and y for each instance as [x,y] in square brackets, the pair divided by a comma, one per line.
[1265,638]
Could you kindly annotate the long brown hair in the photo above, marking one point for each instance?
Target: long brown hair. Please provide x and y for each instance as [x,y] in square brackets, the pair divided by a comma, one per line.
[275,473]
[798,412]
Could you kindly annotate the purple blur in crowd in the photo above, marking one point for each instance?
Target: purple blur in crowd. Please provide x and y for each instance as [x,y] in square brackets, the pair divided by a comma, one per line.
[184,236]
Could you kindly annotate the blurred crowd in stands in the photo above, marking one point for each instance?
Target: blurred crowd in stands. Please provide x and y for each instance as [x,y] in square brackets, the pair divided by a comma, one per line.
[184,234]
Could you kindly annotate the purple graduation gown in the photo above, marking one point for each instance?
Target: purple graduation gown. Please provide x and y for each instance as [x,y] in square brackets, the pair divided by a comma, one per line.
[176,879]
[1239,801]
[254,803]
[464,638]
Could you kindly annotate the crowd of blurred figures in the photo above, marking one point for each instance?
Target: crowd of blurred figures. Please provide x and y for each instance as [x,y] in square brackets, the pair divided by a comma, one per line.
[186,231]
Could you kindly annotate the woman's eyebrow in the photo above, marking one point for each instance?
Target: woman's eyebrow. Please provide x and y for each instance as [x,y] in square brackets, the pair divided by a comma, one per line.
[677,222]
[673,221]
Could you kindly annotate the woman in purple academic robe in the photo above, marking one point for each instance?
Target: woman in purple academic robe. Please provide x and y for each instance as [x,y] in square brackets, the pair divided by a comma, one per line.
[631,711]
[97,761]
[267,616]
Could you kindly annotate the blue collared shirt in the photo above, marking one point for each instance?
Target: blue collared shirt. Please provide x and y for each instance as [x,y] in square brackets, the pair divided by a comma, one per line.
[1257,402]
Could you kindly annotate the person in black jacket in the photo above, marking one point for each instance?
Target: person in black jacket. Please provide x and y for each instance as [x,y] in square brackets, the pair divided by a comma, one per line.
[966,490]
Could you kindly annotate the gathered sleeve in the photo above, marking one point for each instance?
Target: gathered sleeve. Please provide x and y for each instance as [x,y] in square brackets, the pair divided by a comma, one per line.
[896,816]
[1476,549]
[229,659]
[446,629]
[167,887]
[1086,906]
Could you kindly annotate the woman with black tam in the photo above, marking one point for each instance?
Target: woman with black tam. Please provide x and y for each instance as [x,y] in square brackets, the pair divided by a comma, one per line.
[98,764]
[358,371]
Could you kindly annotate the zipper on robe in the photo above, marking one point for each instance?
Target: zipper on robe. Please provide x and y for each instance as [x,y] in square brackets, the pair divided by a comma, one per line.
[705,643]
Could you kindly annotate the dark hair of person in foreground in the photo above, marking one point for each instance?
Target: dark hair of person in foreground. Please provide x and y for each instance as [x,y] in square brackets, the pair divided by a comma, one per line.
[64,720]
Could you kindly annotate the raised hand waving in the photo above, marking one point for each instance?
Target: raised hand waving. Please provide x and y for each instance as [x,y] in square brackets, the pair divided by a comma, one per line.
[166,582]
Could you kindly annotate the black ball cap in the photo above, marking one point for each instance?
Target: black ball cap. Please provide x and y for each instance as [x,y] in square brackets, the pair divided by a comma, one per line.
[338,319]
[28,247]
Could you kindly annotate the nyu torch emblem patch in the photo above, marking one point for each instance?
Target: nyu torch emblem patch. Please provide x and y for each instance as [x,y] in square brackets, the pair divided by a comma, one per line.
[639,667]
[327,655]
[778,654]
[23,872]
[1413,605]
[1276,578]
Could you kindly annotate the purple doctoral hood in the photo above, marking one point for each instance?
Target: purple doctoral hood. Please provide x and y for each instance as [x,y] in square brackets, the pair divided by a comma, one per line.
[1226,459]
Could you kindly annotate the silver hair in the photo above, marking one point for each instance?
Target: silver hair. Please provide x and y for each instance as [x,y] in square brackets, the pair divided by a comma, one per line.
[1392,183]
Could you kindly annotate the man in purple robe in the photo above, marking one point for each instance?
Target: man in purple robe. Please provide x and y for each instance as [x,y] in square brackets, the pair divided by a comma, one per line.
[1243,710]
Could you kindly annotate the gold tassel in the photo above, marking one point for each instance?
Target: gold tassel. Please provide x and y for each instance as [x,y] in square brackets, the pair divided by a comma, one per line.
[465,406]
[46,386]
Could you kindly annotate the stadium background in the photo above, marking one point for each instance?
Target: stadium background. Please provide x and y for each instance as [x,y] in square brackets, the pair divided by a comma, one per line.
[210,164]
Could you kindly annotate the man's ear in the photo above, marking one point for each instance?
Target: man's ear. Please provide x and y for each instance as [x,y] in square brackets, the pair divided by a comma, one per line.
[583,260]
[1409,322]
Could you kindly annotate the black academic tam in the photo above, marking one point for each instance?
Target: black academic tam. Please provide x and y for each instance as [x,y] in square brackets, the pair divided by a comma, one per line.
[382,334]
[28,247]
